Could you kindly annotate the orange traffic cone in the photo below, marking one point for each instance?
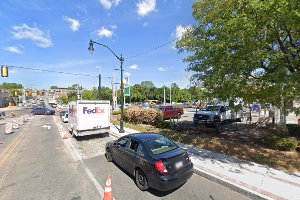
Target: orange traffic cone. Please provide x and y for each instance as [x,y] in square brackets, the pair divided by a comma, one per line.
[65,136]
[107,192]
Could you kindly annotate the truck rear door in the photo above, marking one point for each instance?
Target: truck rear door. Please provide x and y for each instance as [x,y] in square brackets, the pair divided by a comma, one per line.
[93,115]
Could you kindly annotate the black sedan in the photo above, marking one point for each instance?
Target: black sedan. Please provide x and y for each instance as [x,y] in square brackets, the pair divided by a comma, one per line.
[42,111]
[154,160]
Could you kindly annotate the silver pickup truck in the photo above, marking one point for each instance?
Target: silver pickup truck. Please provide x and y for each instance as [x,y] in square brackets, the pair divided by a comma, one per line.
[213,114]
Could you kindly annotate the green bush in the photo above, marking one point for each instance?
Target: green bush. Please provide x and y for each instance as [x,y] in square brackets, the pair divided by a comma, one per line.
[294,129]
[117,112]
[163,124]
[144,116]
[281,143]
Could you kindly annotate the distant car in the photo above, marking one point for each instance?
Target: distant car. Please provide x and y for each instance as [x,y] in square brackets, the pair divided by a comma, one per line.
[127,105]
[145,106]
[2,114]
[187,105]
[65,117]
[256,107]
[62,113]
[42,111]
[154,160]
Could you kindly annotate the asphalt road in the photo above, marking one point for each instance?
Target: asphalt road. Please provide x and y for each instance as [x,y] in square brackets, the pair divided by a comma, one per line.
[40,166]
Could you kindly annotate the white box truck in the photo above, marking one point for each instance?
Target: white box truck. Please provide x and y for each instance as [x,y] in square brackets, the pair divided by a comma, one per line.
[89,117]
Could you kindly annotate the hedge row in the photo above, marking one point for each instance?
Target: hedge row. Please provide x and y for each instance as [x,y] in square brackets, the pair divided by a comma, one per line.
[144,116]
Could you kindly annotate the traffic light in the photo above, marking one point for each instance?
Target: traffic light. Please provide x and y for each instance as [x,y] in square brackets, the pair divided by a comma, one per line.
[4,71]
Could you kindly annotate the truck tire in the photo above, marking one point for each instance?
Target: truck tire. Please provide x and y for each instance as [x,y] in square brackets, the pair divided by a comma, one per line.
[73,133]
[178,116]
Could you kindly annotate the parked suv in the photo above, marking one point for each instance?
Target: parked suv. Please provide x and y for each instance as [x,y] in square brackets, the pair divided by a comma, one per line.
[212,114]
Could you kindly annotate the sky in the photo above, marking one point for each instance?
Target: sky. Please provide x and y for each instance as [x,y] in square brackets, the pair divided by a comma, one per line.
[54,35]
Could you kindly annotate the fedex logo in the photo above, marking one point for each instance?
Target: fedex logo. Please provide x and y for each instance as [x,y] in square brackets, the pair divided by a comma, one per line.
[96,110]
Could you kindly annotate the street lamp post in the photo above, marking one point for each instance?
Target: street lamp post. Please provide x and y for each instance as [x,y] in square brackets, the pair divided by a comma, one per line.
[121,59]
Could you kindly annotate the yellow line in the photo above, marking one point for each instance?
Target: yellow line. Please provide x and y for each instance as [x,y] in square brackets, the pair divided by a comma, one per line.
[12,150]
[11,144]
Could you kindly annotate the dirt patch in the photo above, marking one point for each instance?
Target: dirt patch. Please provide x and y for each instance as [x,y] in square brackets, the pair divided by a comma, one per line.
[242,144]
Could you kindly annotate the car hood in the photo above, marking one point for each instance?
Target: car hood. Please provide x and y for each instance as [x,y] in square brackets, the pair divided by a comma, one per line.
[209,113]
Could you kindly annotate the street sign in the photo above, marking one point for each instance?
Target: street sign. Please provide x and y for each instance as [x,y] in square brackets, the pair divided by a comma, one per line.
[127,91]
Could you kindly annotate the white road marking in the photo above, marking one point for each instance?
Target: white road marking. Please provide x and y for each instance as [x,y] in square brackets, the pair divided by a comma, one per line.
[45,126]
[77,157]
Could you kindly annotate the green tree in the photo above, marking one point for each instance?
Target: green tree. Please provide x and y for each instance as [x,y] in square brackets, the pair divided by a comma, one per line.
[90,95]
[10,86]
[53,87]
[74,87]
[106,93]
[241,46]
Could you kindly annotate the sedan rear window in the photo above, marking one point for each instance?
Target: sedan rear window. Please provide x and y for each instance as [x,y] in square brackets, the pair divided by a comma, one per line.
[160,145]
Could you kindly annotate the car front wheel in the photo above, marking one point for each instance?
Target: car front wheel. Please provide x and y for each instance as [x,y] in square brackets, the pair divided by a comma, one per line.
[108,155]
[141,180]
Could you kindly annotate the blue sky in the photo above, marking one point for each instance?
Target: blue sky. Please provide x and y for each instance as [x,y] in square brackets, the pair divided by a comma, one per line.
[54,35]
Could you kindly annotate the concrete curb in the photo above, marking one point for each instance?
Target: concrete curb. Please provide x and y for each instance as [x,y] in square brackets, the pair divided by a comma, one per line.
[237,188]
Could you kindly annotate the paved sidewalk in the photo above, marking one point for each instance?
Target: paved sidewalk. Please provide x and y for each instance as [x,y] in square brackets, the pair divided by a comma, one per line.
[254,180]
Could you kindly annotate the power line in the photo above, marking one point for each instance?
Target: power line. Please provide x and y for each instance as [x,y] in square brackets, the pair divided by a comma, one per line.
[51,71]
[151,50]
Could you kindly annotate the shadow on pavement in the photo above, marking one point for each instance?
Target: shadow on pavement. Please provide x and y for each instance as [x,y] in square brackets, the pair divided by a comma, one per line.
[150,190]
[90,137]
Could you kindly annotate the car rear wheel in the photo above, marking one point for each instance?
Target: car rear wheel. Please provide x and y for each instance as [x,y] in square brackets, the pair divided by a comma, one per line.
[108,155]
[141,180]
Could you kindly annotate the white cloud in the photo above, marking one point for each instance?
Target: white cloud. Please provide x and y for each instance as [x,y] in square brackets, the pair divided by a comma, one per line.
[106,32]
[162,69]
[126,74]
[145,7]
[108,4]
[74,23]
[12,71]
[134,67]
[32,33]
[13,49]
[180,30]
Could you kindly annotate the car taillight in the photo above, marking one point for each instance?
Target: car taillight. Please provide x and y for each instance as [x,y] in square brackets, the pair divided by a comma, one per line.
[188,157]
[160,167]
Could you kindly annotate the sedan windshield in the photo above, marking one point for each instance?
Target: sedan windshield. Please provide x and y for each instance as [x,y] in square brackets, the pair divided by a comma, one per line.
[160,145]
[210,108]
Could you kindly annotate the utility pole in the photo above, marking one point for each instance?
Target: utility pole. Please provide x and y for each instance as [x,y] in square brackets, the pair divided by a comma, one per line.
[99,86]
[164,95]
[171,94]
